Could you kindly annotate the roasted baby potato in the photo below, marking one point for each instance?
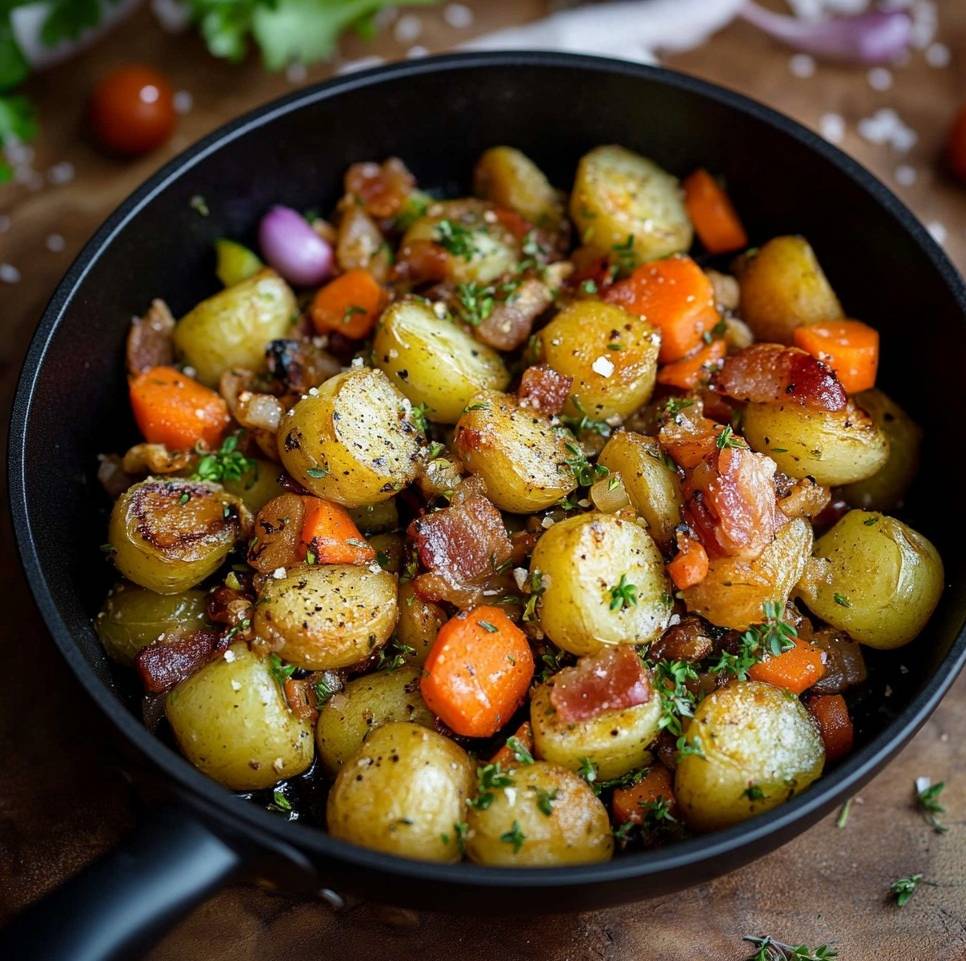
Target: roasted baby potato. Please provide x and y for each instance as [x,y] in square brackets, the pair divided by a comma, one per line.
[783,287]
[651,482]
[874,578]
[547,817]
[611,355]
[615,742]
[232,722]
[476,247]
[758,748]
[133,617]
[580,560]
[351,440]
[735,588]
[329,616]
[257,486]
[419,623]
[886,488]
[518,452]
[403,792]
[169,534]
[620,196]
[232,328]
[376,518]
[509,178]
[832,448]
[434,362]
[364,704]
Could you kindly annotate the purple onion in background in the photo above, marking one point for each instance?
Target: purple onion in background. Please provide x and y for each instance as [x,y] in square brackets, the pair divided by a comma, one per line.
[293,248]
[878,36]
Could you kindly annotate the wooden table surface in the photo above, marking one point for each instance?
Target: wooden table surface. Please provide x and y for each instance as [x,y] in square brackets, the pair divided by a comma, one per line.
[63,799]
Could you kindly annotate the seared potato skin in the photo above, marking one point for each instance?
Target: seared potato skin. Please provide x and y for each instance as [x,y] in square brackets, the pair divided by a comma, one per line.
[889,577]
[402,792]
[619,194]
[133,617]
[577,830]
[733,592]
[257,487]
[581,559]
[783,287]
[509,178]
[169,534]
[518,452]
[886,488]
[753,735]
[433,361]
[334,615]
[576,340]
[232,328]
[364,704]
[651,484]
[351,440]
[232,722]
[493,249]
[616,741]
[832,447]
[419,623]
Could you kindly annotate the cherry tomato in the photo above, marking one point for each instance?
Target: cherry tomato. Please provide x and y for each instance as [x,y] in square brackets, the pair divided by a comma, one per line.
[132,110]
[956,146]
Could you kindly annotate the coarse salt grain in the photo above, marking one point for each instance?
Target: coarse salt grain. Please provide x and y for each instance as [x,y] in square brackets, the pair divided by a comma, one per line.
[458,16]
[55,243]
[547,523]
[229,655]
[923,784]
[408,28]
[182,102]
[832,127]
[279,764]
[439,309]
[520,575]
[602,366]
[880,78]
[9,274]
[278,573]
[937,55]
[938,231]
[236,685]
[906,176]
[802,65]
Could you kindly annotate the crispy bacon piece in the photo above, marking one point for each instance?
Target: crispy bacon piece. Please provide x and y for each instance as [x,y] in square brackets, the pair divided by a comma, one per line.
[689,438]
[382,189]
[149,341]
[420,260]
[510,322]
[611,680]
[166,663]
[771,373]
[544,389]
[805,498]
[731,502]
[462,546]
[301,696]
[299,364]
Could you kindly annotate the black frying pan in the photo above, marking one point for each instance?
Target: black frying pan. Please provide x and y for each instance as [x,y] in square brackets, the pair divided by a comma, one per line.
[439,114]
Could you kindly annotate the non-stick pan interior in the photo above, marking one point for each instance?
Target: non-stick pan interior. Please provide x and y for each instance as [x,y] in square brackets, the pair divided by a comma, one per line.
[439,118]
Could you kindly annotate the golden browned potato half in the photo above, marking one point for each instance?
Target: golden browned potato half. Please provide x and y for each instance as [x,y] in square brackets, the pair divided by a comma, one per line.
[831,447]
[330,616]
[886,488]
[403,792]
[651,482]
[509,178]
[615,742]
[479,249]
[733,592]
[419,623]
[233,328]
[351,440]
[619,194]
[874,578]
[760,747]
[520,454]
[547,817]
[169,534]
[366,703]
[133,617]
[580,560]
[783,287]
[611,355]
[433,361]
[232,722]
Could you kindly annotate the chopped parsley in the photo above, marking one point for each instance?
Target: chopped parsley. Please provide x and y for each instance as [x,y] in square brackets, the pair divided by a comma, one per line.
[455,239]
[623,594]
[754,793]
[902,889]
[771,950]
[625,259]
[674,405]
[587,770]
[519,750]
[677,701]
[417,416]
[536,587]
[394,655]
[585,473]
[280,801]
[584,422]
[514,836]
[686,747]
[927,801]
[482,405]
[488,627]
[317,472]
[841,600]
[545,800]
[227,463]
[589,286]
[461,829]
[728,438]
[489,778]
[279,670]
[773,637]
[322,691]
[474,303]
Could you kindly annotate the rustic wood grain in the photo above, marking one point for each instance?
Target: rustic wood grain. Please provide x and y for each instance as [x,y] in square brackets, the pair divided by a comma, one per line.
[64,797]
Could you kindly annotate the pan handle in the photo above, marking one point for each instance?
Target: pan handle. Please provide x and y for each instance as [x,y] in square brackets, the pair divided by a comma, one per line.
[123,902]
